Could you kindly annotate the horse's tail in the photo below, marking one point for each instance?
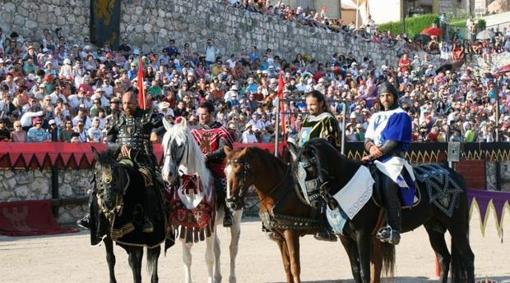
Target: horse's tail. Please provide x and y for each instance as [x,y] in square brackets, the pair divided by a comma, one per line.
[388,259]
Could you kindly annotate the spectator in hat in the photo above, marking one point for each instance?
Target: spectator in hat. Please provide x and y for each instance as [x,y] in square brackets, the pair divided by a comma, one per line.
[55,131]
[248,135]
[37,133]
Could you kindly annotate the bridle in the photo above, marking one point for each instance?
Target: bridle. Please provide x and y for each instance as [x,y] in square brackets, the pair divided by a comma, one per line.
[172,155]
[237,201]
[105,183]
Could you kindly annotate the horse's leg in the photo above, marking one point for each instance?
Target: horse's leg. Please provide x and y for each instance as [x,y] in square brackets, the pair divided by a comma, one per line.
[438,243]
[235,234]
[135,261]
[110,258]
[217,258]
[152,262]
[376,260]
[292,240]
[352,251]
[186,259]
[364,247]
[217,248]
[209,256]
[285,259]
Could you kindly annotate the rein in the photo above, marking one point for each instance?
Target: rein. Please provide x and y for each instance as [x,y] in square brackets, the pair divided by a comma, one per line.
[119,197]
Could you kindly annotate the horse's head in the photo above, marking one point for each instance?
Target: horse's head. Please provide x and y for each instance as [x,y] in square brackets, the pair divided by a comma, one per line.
[175,143]
[238,175]
[112,182]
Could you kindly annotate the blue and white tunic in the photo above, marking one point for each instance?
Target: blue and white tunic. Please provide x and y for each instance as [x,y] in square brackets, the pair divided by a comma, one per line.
[393,125]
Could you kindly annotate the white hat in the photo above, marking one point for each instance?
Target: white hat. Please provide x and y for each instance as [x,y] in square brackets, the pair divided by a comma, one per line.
[47,63]
[163,105]
[234,87]
[51,122]
[67,61]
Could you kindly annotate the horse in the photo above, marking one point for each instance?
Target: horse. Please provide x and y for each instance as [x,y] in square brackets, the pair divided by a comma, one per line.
[443,207]
[182,159]
[117,215]
[281,210]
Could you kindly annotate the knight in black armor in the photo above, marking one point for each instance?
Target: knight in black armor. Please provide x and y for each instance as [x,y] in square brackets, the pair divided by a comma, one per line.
[130,135]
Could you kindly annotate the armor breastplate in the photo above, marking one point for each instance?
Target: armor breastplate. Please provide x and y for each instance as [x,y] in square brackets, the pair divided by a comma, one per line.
[133,134]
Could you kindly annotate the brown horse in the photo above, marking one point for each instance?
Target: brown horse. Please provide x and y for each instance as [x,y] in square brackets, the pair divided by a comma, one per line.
[281,210]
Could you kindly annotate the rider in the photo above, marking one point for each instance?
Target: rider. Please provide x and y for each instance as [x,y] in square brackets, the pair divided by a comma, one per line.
[387,138]
[131,131]
[319,123]
[211,136]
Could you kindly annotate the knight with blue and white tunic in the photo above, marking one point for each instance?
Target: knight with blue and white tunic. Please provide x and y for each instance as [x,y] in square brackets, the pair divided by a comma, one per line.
[387,138]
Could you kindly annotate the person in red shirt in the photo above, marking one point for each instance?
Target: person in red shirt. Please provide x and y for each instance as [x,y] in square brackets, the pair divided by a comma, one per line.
[404,63]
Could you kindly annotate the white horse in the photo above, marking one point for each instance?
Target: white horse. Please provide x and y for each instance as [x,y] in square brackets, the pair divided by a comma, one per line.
[182,155]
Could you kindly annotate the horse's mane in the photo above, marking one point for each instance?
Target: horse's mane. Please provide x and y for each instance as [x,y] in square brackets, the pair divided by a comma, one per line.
[266,157]
[193,157]
[106,157]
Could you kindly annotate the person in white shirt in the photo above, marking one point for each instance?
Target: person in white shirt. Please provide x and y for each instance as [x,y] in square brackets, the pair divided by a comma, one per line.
[94,134]
[210,52]
[248,135]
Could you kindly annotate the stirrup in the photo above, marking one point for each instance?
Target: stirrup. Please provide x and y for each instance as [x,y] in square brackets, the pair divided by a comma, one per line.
[148,227]
[84,222]
[388,235]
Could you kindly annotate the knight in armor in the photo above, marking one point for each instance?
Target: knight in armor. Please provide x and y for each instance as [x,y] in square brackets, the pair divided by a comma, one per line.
[211,136]
[319,123]
[130,134]
[387,139]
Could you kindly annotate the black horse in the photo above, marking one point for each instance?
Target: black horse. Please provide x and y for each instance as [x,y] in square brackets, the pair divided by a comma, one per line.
[447,210]
[117,214]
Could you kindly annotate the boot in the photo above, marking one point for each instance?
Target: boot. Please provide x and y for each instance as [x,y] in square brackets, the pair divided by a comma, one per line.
[84,222]
[325,235]
[147,226]
[391,232]
[227,218]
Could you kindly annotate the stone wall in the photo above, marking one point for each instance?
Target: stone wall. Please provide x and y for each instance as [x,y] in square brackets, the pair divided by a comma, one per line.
[30,17]
[16,185]
[150,24]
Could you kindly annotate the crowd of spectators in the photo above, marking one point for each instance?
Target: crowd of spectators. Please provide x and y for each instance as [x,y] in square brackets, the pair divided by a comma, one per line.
[52,89]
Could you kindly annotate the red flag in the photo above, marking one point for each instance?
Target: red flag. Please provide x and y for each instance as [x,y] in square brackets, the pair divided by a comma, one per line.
[139,82]
[281,86]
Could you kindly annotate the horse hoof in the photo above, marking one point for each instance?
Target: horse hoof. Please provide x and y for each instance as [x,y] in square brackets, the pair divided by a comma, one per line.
[232,279]
[217,279]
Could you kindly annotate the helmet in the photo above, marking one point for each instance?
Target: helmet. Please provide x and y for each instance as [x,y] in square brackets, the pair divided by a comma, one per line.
[387,87]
